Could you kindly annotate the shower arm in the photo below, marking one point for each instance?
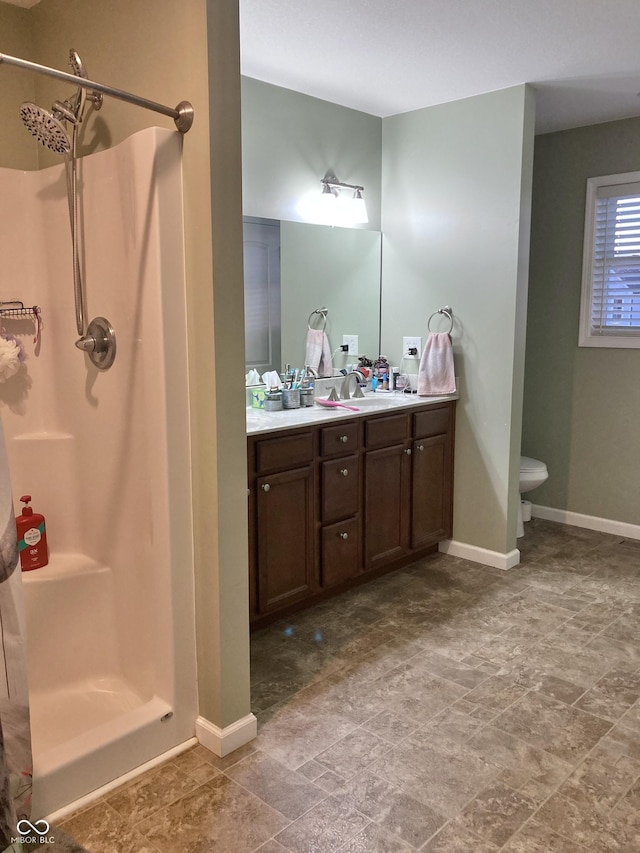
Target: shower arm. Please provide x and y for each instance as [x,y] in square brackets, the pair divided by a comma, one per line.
[182,114]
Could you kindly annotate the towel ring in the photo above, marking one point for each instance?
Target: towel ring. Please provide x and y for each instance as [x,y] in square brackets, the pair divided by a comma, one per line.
[323,313]
[448,312]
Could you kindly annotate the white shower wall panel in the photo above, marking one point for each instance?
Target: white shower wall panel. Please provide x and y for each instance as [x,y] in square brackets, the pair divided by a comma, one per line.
[35,269]
[80,595]
[24,276]
[54,494]
[106,454]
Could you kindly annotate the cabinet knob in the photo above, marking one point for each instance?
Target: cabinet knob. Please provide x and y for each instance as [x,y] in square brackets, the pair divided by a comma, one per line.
[421,447]
[408,451]
[344,439]
[344,471]
[343,535]
[265,487]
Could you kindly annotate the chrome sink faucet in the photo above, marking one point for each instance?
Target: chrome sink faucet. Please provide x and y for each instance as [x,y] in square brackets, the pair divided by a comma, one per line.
[344,388]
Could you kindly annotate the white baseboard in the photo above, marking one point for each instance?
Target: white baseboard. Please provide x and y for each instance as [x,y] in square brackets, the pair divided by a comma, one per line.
[223,741]
[591,522]
[496,559]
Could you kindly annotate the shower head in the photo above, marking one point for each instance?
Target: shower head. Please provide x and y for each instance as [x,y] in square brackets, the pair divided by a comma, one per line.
[47,128]
[77,65]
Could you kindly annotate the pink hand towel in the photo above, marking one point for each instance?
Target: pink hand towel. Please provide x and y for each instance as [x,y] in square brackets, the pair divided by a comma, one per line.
[318,355]
[436,374]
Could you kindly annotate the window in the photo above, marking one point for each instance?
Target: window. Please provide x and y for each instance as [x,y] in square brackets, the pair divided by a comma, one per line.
[610,308]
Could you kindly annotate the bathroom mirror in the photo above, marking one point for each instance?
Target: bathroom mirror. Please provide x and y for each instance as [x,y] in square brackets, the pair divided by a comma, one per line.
[319,267]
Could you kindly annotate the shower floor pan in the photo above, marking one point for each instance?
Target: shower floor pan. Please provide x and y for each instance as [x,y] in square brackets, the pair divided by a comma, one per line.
[76,681]
[60,715]
[87,719]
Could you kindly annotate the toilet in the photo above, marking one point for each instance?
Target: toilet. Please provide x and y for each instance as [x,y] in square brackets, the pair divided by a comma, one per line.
[533,473]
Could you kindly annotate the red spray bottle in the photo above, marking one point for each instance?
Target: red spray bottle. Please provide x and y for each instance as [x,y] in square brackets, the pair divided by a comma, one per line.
[32,538]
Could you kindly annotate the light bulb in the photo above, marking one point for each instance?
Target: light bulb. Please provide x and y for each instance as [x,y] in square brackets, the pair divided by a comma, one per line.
[358,213]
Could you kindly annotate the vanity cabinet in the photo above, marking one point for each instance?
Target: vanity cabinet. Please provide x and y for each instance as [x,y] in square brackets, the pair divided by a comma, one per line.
[432,477]
[340,488]
[332,504]
[283,513]
[386,484]
[284,534]
[339,481]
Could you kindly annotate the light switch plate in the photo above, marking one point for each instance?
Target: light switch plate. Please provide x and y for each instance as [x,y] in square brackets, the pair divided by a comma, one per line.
[352,342]
[409,343]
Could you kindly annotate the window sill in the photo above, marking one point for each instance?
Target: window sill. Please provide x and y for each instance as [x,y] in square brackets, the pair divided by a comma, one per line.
[610,341]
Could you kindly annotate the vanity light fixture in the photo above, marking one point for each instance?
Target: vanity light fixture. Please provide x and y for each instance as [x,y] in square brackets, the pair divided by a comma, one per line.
[359,208]
[327,205]
[348,211]
[334,205]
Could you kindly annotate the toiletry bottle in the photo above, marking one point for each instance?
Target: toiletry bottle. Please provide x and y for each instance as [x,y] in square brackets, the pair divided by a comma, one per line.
[381,367]
[32,538]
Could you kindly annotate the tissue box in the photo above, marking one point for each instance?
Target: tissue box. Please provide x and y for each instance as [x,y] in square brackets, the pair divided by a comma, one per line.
[257,398]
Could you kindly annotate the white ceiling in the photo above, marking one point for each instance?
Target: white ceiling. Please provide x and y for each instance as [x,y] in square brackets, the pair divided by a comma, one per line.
[390,56]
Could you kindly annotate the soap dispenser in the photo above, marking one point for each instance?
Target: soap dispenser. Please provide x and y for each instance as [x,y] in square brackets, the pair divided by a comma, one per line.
[32,538]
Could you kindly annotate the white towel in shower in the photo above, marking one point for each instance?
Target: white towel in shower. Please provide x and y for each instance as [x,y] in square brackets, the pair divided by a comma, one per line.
[436,374]
[318,354]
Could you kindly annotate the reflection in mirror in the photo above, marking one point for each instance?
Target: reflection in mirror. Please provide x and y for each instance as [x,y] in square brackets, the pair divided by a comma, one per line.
[261,250]
[319,266]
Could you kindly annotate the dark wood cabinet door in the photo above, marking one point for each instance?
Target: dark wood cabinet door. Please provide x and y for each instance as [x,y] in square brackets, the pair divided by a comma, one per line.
[284,521]
[386,499]
[431,490]
[340,552]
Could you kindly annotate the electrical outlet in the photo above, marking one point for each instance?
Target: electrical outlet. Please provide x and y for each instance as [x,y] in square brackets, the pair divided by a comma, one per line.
[352,342]
[411,343]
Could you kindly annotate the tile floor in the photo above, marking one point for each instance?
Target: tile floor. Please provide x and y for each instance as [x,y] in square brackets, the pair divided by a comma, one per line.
[448,708]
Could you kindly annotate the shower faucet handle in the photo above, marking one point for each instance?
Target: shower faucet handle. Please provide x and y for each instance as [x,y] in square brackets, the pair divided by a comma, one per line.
[87,343]
[99,343]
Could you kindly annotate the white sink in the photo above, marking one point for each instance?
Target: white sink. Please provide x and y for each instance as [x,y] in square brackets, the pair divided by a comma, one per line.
[371,400]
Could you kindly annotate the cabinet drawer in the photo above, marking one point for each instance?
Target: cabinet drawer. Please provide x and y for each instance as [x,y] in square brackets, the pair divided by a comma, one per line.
[432,422]
[342,438]
[277,454]
[340,544]
[381,432]
[340,479]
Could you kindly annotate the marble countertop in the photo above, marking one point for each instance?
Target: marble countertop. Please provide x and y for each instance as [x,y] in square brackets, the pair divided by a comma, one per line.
[259,421]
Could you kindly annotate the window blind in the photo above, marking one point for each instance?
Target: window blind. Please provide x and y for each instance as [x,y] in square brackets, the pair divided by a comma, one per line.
[615,285]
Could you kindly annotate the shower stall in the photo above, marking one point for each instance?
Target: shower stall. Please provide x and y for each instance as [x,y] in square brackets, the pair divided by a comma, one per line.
[105,454]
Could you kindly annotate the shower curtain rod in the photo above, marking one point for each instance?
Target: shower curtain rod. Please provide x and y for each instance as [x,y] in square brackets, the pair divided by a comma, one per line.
[182,114]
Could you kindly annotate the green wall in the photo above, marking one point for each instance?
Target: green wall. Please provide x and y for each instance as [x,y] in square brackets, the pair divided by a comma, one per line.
[455,190]
[340,268]
[290,141]
[18,150]
[456,204]
[582,404]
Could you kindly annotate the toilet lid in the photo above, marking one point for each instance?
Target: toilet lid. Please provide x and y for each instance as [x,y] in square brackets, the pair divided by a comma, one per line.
[528,464]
